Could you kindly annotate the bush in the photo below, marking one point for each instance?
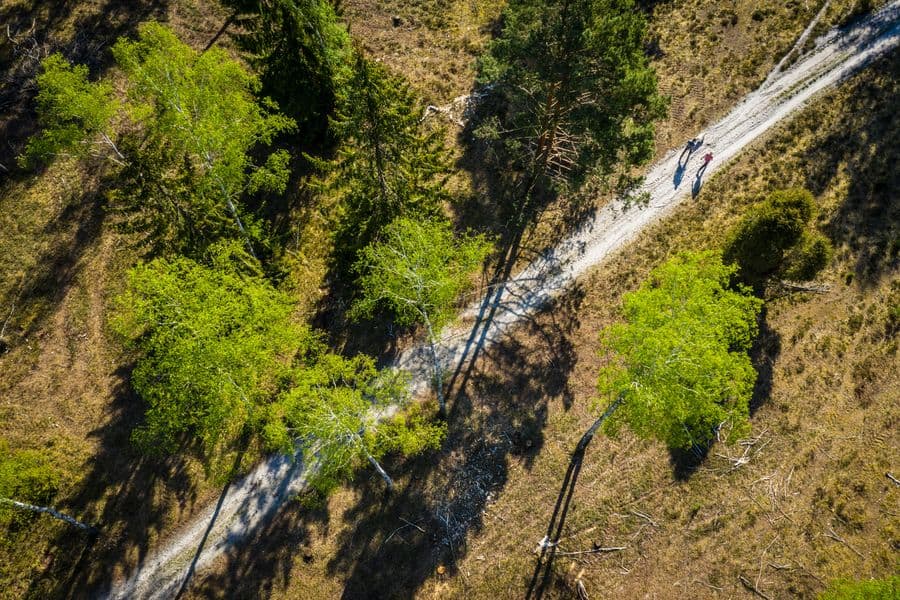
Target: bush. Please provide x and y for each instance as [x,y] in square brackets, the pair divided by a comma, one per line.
[26,476]
[808,257]
[759,242]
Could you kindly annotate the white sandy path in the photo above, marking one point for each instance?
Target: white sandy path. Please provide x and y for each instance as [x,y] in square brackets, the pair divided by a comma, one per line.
[249,502]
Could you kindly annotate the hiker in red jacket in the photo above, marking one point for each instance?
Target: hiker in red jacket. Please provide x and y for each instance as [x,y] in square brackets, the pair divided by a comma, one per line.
[707,158]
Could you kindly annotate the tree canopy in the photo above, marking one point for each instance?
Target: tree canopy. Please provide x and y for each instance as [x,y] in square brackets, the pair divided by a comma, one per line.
[577,92]
[354,413]
[417,271]
[388,165]
[679,362]
[773,238]
[302,52]
[215,340]
[184,134]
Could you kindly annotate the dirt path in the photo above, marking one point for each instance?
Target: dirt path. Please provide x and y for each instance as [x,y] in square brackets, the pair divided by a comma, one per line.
[247,503]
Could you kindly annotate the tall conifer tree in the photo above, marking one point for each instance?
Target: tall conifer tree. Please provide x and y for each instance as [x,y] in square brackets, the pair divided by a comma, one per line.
[576,89]
[388,166]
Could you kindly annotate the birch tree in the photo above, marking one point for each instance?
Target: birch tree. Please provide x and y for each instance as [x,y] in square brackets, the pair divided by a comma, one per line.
[348,412]
[417,271]
[678,366]
[215,339]
[181,137]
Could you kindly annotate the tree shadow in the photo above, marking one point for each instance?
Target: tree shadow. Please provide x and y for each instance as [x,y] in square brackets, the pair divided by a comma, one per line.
[41,27]
[862,149]
[256,565]
[76,232]
[389,545]
[499,413]
[127,495]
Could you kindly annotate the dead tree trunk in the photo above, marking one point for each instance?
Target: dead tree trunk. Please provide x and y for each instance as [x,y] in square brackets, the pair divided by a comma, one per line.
[50,511]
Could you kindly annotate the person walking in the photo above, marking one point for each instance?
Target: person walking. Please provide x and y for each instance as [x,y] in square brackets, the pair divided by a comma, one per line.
[707,158]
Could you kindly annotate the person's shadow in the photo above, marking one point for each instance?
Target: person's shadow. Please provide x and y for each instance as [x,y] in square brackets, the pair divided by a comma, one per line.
[698,180]
[679,174]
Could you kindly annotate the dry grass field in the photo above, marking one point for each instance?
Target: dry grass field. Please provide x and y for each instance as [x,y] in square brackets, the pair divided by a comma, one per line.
[811,502]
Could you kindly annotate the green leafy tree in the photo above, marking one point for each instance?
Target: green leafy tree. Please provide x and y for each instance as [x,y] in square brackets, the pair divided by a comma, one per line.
[302,51]
[417,271]
[215,340]
[866,589]
[184,134]
[75,115]
[388,166]
[576,89]
[678,365]
[772,238]
[352,413]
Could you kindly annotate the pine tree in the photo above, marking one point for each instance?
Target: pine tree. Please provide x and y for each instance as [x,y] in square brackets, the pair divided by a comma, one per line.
[302,52]
[576,90]
[388,165]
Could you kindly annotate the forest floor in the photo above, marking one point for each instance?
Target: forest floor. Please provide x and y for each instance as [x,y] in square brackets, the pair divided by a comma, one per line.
[64,381]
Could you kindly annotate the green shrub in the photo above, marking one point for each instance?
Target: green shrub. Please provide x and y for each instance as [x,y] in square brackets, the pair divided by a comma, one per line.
[759,242]
[870,589]
[808,257]
[26,476]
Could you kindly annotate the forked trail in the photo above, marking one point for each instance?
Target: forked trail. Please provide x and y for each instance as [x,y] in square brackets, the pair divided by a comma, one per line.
[246,504]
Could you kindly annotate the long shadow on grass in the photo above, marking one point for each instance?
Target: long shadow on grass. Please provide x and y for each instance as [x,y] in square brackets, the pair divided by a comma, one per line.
[497,416]
[139,495]
[863,146]
[73,234]
[389,545]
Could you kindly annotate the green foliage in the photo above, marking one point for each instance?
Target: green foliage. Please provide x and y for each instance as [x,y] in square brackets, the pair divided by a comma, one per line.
[758,243]
[387,166]
[26,476]
[201,120]
[215,340]
[871,589]
[680,362]
[811,254]
[73,112]
[342,406]
[417,271]
[302,52]
[577,90]
[185,135]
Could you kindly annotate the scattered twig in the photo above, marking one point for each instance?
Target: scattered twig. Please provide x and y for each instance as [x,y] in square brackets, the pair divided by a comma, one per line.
[749,585]
[646,517]
[831,533]
[592,551]
[892,478]
[412,524]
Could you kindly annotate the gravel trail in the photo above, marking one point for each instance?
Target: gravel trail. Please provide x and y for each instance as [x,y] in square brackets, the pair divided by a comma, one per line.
[246,504]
